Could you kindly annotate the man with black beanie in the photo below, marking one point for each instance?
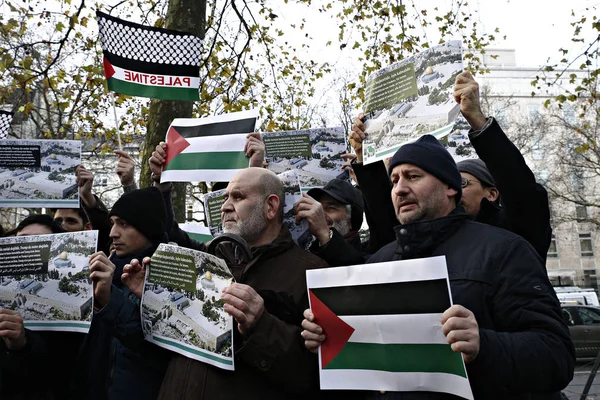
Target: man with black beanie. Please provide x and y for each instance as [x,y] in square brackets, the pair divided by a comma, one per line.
[334,215]
[116,361]
[506,320]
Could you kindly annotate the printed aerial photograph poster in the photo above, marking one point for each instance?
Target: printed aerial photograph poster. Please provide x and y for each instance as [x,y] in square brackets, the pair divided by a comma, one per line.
[39,173]
[46,279]
[182,309]
[411,98]
[293,194]
[315,154]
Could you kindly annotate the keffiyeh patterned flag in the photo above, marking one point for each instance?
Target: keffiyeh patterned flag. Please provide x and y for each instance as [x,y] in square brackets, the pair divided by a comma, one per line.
[149,62]
[5,120]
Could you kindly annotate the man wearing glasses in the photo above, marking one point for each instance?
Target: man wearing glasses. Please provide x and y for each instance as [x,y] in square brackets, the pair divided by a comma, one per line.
[499,189]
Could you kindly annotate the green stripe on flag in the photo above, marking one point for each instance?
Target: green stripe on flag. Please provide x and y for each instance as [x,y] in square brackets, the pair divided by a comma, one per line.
[157,92]
[208,161]
[193,350]
[201,237]
[399,358]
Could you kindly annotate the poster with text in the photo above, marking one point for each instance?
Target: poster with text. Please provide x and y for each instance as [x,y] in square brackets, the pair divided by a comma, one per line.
[315,154]
[411,98]
[212,210]
[45,278]
[39,173]
[182,310]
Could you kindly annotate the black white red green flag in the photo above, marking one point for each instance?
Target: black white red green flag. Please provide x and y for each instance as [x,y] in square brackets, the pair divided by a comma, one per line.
[152,62]
[383,327]
[208,149]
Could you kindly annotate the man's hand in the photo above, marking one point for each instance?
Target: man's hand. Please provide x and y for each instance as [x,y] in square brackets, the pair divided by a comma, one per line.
[125,168]
[312,211]
[12,330]
[156,161]
[255,149]
[312,334]
[348,157]
[101,274]
[466,93]
[134,274]
[357,135]
[85,180]
[244,304]
[462,332]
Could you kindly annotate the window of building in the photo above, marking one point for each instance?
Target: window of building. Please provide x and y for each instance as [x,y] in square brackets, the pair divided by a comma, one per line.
[590,280]
[577,180]
[534,114]
[569,113]
[190,212]
[581,212]
[553,250]
[585,243]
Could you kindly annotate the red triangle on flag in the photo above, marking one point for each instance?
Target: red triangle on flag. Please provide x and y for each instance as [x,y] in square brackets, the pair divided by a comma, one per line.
[109,71]
[337,331]
[175,144]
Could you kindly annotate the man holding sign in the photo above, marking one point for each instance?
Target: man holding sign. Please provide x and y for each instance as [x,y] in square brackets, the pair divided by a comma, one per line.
[506,320]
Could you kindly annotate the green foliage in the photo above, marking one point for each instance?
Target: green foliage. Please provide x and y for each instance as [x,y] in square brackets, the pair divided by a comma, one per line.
[65,286]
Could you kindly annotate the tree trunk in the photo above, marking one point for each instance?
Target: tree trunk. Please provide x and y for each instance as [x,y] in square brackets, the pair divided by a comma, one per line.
[187,16]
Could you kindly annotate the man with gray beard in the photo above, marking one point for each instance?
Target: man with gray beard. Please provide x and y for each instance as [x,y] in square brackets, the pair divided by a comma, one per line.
[334,215]
[268,348]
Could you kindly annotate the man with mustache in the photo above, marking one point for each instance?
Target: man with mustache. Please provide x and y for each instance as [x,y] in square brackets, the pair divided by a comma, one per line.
[506,320]
[334,215]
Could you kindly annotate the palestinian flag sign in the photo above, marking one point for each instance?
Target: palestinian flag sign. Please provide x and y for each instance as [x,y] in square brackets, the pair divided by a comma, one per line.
[197,232]
[383,327]
[208,149]
[5,120]
[153,62]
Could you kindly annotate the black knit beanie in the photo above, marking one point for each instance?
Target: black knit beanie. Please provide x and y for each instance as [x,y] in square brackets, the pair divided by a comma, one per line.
[428,153]
[144,209]
[478,169]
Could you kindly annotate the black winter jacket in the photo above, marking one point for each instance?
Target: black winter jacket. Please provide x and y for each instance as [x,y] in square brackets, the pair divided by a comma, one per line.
[525,343]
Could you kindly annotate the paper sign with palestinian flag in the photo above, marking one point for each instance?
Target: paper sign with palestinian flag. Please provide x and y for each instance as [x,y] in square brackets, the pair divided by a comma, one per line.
[197,232]
[383,327]
[208,149]
[152,62]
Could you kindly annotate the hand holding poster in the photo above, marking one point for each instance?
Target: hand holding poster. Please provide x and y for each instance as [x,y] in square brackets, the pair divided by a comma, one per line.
[39,173]
[181,306]
[383,325]
[45,278]
[411,98]
[208,149]
[313,153]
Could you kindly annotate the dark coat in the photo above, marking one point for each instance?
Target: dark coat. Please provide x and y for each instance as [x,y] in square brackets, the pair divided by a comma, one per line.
[525,343]
[272,362]
[340,250]
[116,362]
[24,374]
[525,210]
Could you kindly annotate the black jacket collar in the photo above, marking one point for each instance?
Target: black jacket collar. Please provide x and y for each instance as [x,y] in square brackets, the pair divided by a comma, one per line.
[419,239]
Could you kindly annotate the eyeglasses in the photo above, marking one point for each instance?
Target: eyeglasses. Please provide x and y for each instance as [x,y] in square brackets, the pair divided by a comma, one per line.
[465,182]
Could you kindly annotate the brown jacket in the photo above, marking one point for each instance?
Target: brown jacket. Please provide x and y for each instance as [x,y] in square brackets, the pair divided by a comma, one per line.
[271,363]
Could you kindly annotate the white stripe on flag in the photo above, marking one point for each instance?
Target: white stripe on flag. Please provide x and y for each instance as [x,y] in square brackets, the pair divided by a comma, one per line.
[199,175]
[405,328]
[215,144]
[215,118]
[402,271]
[195,228]
[120,75]
[395,381]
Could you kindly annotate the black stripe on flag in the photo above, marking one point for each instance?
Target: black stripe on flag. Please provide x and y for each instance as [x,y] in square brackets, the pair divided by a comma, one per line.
[152,68]
[416,297]
[217,128]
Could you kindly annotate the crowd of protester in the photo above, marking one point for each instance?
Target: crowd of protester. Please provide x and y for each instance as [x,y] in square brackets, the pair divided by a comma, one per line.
[487,216]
